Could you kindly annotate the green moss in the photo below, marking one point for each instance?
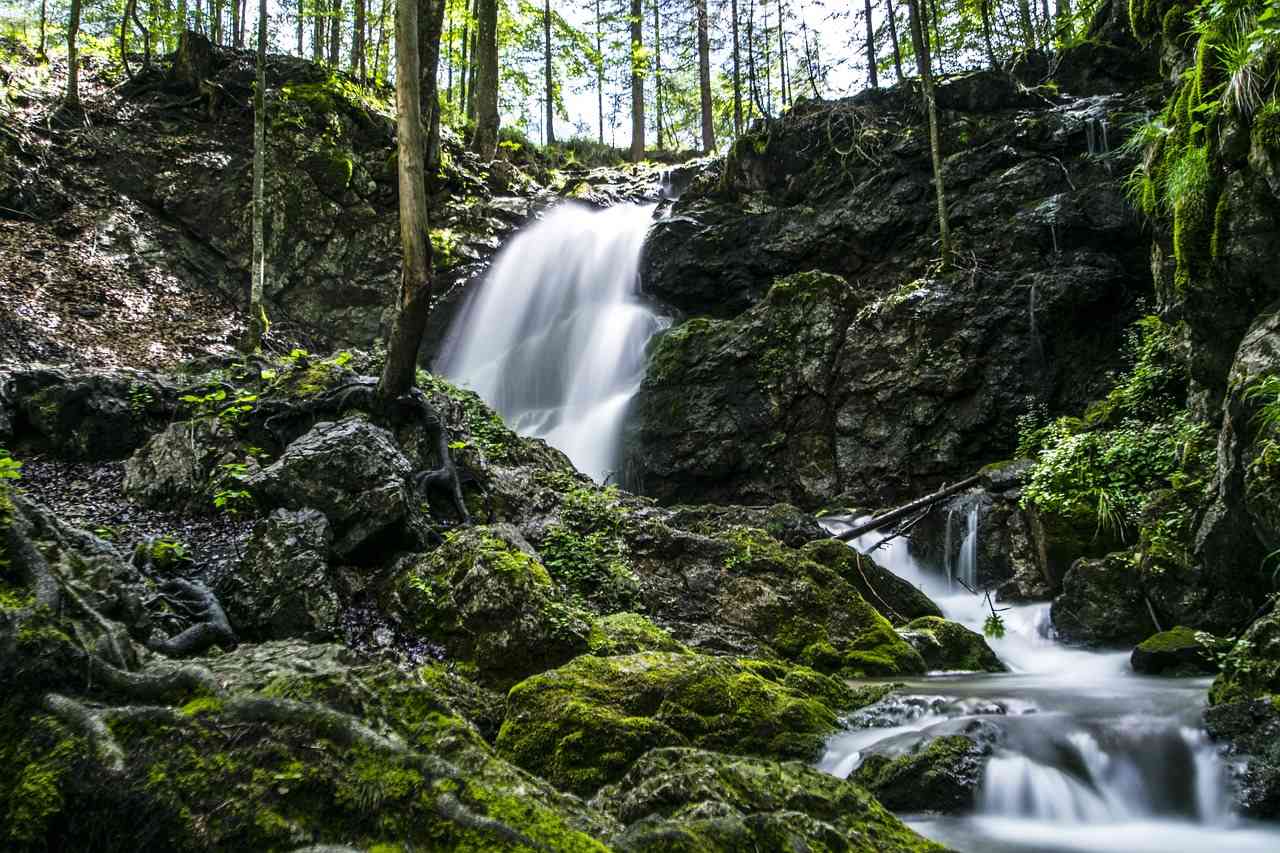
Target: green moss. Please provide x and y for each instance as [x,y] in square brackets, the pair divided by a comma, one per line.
[674,349]
[586,552]
[806,287]
[951,646]
[1266,126]
[629,633]
[483,428]
[1175,639]
[332,169]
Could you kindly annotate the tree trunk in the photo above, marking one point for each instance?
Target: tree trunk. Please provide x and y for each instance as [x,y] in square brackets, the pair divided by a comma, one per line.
[784,94]
[464,66]
[300,30]
[474,70]
[637,83]
[600,74]
[400,370]
[984,7]
[430,25]
[893,37]
[704,80]
[657,73]
[124,37]
[235,23]
[550,136]
[1065,30]
[335,34]
[216,36]
[357,41]
[752,84]
[737,75]
[920,41]
[256,326]
[872,76]
[317,30]
[380,62]
[485,141]
[44,17]
[73,60]
[1028,29]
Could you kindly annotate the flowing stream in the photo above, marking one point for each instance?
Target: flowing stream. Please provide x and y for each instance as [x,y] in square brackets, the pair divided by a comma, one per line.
[1087,755]
[554,337]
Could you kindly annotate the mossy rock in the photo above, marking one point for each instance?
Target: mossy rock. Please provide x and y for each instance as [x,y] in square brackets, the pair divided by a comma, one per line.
[629,633]
[582,725]
[675,800]
[938,775]
[331,169]
[947,645]
[1251,669]
[899,600]
[488,599]
[1177,651]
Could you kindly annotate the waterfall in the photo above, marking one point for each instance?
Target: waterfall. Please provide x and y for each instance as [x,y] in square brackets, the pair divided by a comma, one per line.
[554,337]
[962,567]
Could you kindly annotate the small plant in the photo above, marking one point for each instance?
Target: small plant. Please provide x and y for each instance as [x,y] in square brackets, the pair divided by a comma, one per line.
[141,399]
[229,494]
[994,626]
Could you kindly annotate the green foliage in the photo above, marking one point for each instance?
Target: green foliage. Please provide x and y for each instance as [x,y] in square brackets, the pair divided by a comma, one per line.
[230,408]
[10,470]
[994,626]
[586,552]
[229,494]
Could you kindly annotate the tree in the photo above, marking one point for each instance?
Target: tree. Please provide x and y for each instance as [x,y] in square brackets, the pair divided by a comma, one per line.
[657,73]
[920,44]
[357,41]
[335,34]
[317,30]
[551,101]
[637,82]
[257,325]
[871,47]
[704,79]
[73,60]
[430,25]
[600,73]
[893,37]
[485,141]
[737,74]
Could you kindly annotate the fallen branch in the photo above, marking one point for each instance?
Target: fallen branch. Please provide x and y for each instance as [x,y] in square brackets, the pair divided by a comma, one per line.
[906,509]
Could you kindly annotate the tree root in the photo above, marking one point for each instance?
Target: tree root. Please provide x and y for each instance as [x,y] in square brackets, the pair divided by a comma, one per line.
[212,628]
[89,723]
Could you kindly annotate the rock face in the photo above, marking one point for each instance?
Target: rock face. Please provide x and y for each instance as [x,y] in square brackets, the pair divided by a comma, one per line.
[582,725]
[353,472]
[691,800]
[283,587]
[178,466]
[1177,651]
[822,355]
[947,645]
[1102,604]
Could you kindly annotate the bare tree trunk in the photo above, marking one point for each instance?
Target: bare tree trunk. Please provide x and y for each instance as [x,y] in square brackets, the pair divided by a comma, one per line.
[317,31]
[124,38]
[657,73]
[485,142]
[380,62]
[335,34]
[300,31]
[474,70]
[217,22]
[244,23]
[400,370]
[600,74]
[871,48]
[357,41]
[256,326]
[430,25]
[984,7]
[550,136]
[637,83]
[784,94]
[920,41]
[44,40]
[465,66]
[1028,29]
[893,36]
[235,23]
[737,76]
[752,83]
[73,59]
[704,79]
[810,58]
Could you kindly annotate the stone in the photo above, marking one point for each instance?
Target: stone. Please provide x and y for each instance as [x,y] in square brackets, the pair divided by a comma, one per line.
[950,646]
[940,774]
[675,800]
[178,467]
[1250,732]
[1102,603]
[1177,651]
[627,634]
[353,472]
[283,586]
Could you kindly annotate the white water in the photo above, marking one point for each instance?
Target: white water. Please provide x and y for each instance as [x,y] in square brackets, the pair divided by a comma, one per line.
[1088,756]
[554,338]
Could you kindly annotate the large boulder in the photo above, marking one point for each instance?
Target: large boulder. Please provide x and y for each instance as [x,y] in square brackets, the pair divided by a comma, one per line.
[950,646]
[1102,603]
[940,774]
[1250,731]
[680,800]
[899,600]
[1251,668]
[354,473]
[178,467]
[488,599]
[282,587]
[581,725]
[1178,651]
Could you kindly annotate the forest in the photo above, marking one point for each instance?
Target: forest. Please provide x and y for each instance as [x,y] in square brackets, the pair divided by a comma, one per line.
[653,426]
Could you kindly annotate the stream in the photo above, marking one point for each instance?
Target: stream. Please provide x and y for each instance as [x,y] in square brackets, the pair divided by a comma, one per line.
[1087,756]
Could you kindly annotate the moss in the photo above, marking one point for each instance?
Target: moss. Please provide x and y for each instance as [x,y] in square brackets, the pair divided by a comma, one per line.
[628,633]
[1266,126]
[201,705]
[483,428]
[942,776]
[806,287]
[1221,212]
[675,348]
[582,725]
[951,646]
[331,168]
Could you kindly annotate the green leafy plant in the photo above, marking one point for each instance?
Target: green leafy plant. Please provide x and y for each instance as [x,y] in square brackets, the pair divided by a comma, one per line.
[994,626]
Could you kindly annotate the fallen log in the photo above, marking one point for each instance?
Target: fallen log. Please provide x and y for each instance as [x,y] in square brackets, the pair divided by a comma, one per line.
[906,509]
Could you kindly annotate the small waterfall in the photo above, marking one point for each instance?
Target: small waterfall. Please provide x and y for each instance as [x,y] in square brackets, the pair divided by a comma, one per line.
[554,338]
[961,566]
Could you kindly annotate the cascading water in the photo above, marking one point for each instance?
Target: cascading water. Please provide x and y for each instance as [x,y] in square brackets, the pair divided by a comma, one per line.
[554,338]
[1087,756]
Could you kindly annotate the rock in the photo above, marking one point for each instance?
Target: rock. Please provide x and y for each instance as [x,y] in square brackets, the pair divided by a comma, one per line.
[351,471]
[939,774]
[1177,651]
[1102,604]
[784,522]
[1250,728]
[899,600]
[950,646]
[179,466]
[581,726]
[679,799]
[1251,668]
[488,599]
[627,634]
[282,588]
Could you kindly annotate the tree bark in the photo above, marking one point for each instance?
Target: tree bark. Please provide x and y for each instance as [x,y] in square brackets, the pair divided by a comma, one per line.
[893,37]
[235,23]
[600,74]
[784,92]
[1028,29]
[485,141]
[73,60]
[872,76]
[44,17]
[335,34]
[317,30]
[300,29]
[430,25]
[920,41]
[399,372]
[256,326]
[465,66]
[216,36]
[550,135]
[657,73]
[357,42]
[704,80]
[637,83]
[906,509]
[737,75]
[984,7]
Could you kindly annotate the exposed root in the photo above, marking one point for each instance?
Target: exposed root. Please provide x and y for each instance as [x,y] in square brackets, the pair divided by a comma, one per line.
[211,628]
[81,718]
[171,685]
[451,808]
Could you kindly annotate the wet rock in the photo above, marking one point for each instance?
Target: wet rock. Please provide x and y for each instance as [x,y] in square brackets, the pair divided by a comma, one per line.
[678,799]
[940,774]
[489,600]
[1102,603]
[581,726]
[899,600]
[627,634]
[1177,651]
[283,587]
[178,467]
[351,471]
[1251,668]
[1250,728]
[947,646]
